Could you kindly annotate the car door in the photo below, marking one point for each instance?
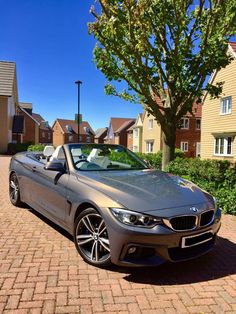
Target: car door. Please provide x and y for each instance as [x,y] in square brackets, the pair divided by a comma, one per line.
[51,191]
[46,189]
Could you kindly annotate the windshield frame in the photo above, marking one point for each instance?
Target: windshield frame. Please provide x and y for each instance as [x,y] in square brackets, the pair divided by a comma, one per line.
[143,164]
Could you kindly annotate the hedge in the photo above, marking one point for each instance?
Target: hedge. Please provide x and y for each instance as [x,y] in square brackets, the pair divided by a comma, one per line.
[36,148]
[14,148]
[218,177]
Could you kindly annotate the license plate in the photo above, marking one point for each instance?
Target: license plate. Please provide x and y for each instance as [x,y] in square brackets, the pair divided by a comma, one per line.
[196,239]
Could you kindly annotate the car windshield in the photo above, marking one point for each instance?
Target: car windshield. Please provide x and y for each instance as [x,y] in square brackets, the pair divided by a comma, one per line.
[104,157]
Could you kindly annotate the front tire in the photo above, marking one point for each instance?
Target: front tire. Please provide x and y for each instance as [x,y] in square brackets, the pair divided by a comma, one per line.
[91,238]
[14,191]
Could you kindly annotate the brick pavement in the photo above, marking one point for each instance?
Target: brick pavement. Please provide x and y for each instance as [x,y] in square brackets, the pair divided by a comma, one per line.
[41,272]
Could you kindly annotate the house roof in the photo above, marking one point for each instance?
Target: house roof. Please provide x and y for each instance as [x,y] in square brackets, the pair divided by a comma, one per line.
[100,132]
[116,123]
[233,46]
[7,76]
[125,125]
[29,115]
[43,124]
[64,123]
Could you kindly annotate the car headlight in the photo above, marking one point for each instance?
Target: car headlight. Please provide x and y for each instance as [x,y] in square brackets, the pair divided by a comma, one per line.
[135,219]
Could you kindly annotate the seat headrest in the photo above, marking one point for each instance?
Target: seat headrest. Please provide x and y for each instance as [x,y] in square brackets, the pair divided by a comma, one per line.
[59,153]
[48,150]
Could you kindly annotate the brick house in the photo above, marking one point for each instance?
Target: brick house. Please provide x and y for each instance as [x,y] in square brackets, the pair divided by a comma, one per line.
[8,102]
[100,135]
[129,133]
[66,131]
[34,128]
[117,130]
[187,135]
[218,136]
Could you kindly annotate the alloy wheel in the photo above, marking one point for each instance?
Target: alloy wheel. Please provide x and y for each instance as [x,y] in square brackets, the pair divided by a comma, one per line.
[92,239]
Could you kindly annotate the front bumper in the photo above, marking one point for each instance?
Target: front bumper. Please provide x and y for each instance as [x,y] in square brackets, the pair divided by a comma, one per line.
[134,246]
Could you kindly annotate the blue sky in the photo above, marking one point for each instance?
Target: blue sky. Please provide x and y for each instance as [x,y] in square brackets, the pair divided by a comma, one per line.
[49,41]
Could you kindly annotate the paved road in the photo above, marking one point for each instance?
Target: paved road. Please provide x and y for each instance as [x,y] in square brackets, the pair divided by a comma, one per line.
[40,272]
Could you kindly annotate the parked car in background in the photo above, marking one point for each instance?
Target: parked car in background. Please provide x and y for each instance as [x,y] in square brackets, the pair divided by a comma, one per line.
[117,209]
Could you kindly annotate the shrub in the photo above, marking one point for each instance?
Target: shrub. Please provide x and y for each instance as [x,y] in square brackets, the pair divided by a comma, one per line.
[218,177]
[14,148]
[155,159]
[36,148]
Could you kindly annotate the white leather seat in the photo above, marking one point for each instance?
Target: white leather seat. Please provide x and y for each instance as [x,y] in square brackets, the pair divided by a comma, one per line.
[102,161]
[48,150]
[58,155]
[76,153]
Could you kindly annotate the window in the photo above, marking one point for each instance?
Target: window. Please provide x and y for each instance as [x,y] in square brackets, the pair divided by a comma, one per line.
[88,139]
[70,138]
[135,149]
[135,133]
[49,135]
[223,146]
[43,134]
[184,123]
[150,124]
[184,146]
[149,146]
[226,105]
[198,124]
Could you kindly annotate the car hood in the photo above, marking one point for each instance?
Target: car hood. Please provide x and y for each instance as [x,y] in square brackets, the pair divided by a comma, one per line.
[146,190]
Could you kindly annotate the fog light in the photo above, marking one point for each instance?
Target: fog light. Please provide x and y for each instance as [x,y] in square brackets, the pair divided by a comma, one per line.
[131,250]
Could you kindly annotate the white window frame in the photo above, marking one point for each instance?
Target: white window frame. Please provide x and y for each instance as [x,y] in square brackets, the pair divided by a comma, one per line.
[197,125]
[149,146]
[135,133]
[184,146]
[184,122]
[226,105]
[150,124]
[221,145]
[70,138]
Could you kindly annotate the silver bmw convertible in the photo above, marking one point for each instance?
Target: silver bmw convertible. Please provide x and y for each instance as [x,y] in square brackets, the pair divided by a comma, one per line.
[117,209]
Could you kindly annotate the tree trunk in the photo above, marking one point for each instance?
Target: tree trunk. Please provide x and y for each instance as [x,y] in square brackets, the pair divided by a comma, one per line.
[168,151]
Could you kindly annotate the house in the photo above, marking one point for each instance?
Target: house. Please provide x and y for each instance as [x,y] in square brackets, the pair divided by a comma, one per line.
[129,133]
[66,131]
[34,129]
[117,130]
[138,133]
[8,102]
[219,115]
[100,135]
[187,135]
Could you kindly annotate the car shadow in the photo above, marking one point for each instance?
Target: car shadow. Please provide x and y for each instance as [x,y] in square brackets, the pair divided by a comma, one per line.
[218,263]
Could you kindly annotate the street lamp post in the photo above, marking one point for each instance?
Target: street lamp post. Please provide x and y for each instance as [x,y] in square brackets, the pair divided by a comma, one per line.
[78,83]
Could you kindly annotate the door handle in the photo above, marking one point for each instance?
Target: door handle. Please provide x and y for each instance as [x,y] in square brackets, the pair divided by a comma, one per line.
[34,169]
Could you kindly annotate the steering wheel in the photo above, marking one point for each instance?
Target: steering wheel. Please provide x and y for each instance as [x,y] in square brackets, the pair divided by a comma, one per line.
[81,160]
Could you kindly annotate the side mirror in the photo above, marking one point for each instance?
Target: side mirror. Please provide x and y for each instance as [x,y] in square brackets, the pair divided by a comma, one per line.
[147,162]
[55,166]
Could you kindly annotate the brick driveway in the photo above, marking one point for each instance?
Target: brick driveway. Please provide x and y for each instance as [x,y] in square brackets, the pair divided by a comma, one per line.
[40,272]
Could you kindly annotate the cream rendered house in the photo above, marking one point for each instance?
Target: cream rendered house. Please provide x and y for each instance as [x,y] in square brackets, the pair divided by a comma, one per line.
[138,134]
[218,136]
[151,139]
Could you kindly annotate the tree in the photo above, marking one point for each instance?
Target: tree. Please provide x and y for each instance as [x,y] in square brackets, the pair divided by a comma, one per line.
[163,48]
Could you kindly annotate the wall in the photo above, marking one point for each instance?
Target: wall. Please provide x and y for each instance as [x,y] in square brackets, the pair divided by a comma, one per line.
[212,121]
[3,124]
[153,134]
